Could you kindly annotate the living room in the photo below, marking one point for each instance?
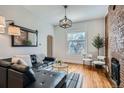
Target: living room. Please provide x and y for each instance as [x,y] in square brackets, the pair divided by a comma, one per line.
[54,54]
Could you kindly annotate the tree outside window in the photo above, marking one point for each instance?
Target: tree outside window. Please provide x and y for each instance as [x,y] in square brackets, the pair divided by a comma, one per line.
[76,43]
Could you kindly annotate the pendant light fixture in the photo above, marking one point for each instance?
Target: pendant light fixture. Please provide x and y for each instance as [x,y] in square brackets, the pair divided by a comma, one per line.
[65,23]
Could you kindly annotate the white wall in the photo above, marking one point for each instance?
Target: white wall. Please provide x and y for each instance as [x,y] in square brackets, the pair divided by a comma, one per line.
[91,27]
[23,17]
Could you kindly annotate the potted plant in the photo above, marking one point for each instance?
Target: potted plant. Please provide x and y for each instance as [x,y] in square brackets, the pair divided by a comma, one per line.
[27,42]
[59,62]
[98,42]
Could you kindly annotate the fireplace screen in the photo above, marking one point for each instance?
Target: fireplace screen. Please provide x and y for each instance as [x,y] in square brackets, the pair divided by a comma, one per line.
[115,71]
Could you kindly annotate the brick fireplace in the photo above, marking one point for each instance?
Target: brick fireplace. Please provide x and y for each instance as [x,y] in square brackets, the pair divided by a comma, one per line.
[115,36]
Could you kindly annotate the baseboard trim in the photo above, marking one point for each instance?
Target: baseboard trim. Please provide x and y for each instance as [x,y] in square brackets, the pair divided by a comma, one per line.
[72,63]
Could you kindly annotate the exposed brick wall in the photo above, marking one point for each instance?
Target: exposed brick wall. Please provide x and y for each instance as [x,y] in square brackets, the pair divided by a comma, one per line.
[116,36]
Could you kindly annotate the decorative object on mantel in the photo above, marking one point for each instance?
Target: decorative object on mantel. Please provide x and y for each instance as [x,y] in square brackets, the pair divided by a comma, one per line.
[12,30]
[65,23]
[98,42]
[27,38]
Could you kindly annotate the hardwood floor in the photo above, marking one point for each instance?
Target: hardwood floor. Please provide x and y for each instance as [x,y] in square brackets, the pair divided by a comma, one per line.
[92,77]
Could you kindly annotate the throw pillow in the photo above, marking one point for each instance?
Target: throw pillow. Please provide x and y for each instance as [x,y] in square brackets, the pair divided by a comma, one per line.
[30,74]
[40,58]
[31,71]
[26,58]
[33,59]
[18,60]
[15,59]
[22,62]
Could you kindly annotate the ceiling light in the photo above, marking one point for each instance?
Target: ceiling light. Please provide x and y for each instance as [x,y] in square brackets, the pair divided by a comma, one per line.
[65,22]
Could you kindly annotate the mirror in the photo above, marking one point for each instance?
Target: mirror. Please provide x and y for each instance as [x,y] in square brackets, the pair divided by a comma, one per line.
[28,38]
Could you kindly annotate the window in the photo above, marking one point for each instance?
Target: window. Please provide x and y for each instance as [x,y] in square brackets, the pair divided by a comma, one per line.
[76,43]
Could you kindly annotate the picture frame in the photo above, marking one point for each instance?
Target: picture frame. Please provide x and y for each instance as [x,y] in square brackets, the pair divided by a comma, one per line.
[28,38]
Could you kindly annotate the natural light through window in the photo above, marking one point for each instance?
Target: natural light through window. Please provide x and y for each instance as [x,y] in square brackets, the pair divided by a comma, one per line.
[76,43]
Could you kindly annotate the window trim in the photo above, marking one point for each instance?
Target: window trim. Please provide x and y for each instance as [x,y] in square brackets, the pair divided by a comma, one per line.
[75,31]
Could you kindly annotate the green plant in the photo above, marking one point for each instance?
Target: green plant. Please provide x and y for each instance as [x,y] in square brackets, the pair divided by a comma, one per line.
[98,42]
[27,42]
[59,62]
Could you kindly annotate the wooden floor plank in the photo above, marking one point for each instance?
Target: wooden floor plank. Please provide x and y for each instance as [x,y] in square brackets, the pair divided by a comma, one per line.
[92,77]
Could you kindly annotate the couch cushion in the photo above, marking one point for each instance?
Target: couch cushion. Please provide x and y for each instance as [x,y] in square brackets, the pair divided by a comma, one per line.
[5,63]
[21,62]
[24,69]
[26,58]
[7,59]
[20,68]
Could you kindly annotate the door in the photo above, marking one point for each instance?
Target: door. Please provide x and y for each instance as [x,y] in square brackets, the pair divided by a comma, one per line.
[49,46]
[106,39]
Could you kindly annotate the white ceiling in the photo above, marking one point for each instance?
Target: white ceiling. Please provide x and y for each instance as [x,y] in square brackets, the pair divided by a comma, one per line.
[77,13]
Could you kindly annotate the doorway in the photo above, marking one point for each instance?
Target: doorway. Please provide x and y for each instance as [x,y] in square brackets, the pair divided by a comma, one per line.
[49,46]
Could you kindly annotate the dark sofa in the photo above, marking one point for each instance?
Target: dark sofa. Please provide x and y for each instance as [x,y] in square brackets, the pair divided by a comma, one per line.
[4,66]
[43,79]
[17,76]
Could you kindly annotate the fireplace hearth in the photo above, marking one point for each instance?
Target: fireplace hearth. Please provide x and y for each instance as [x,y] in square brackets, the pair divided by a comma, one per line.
[115,71]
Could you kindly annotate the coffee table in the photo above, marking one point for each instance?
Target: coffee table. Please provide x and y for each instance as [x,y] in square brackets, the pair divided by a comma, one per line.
[60,67]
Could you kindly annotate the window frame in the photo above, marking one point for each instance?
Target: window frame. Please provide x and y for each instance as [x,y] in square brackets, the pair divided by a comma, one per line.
[67,49]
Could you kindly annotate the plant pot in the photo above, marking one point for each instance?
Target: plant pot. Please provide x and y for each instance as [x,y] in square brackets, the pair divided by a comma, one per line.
[98,66]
